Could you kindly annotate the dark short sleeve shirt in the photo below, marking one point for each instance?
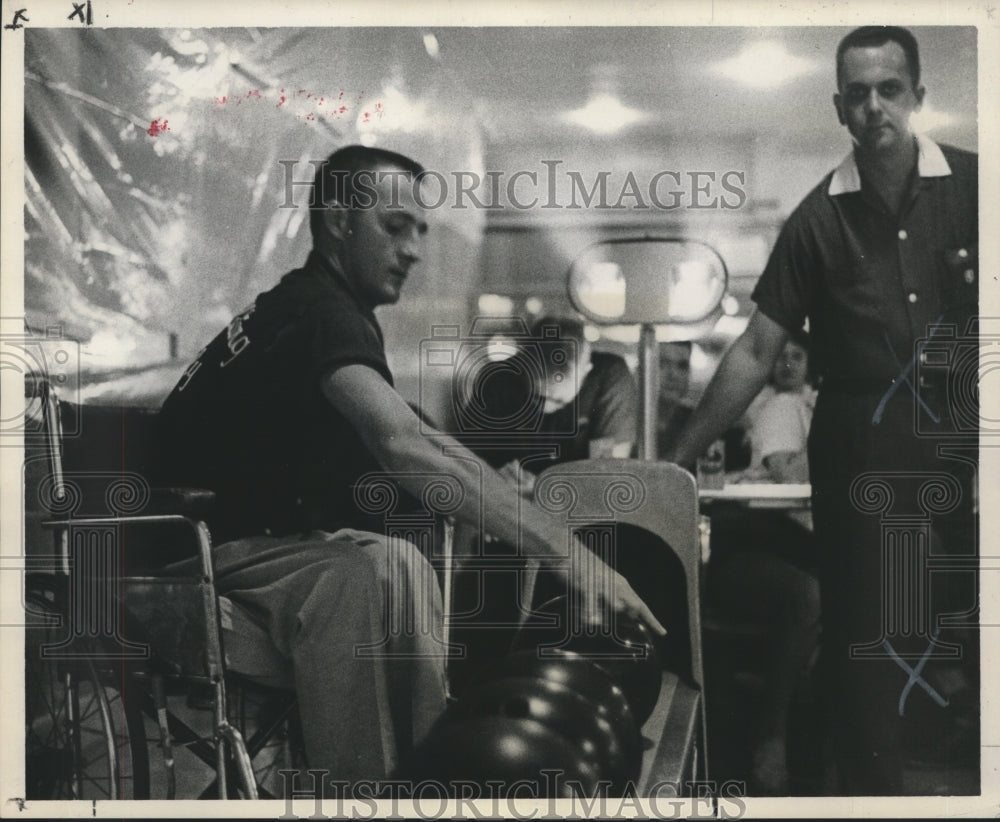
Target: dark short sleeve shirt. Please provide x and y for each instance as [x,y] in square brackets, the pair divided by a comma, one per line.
[671,417]
[605,408]
[248,419]
[874,283]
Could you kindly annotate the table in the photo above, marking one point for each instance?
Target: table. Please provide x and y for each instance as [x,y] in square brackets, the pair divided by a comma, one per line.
[786,496]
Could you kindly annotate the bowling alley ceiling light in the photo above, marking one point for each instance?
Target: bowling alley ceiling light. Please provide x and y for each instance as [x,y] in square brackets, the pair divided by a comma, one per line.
[765,64]
[495,305]
[929,118]
[431,45]
[604,112]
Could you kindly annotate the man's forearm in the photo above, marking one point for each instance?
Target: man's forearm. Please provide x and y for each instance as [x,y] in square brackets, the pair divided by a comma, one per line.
[740,377]
[492,503]
[490,500]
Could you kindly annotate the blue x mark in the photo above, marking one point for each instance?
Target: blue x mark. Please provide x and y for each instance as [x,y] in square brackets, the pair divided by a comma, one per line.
[904,377]
[913,675]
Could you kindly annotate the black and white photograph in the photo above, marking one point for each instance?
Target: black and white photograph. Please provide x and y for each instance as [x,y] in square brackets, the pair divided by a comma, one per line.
[499,411]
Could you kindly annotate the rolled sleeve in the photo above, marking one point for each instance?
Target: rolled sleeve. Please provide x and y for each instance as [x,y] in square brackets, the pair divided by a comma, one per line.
[785,288]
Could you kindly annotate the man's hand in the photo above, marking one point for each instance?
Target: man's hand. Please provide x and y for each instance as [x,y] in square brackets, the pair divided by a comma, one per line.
[739,378]
[601,588]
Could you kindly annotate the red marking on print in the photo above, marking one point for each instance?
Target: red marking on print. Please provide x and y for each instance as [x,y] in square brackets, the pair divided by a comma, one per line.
[320,105]
[157,127]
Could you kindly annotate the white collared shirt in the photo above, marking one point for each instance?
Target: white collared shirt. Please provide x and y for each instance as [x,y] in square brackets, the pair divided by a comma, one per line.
[930,163]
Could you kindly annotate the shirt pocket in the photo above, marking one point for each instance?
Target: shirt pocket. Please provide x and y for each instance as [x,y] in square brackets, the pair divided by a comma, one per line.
[958,270]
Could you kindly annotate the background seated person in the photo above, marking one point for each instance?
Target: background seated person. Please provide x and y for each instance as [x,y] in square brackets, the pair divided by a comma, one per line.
[779,425]
[674,407]
[759,571]
[556,400]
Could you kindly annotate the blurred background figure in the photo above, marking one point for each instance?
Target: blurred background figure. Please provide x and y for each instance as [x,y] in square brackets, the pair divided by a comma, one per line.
[675,380]
[595,400]
[555,400]
[778,420]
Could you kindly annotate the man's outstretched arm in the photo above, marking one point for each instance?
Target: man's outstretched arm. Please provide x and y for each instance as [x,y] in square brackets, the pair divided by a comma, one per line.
[740,377]
[391,432]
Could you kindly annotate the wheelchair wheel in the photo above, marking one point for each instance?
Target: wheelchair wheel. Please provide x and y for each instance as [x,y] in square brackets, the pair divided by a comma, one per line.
[84,736]
[269,721]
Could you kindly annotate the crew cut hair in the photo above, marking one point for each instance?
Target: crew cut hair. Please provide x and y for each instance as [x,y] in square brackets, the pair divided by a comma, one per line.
[874,36]
[335,179]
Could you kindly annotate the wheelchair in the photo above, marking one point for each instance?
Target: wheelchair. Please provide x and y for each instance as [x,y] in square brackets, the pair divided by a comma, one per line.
[127,632]
[125,669]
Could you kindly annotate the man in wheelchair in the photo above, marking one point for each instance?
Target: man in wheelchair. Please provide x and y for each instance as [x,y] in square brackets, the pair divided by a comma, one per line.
[281,415]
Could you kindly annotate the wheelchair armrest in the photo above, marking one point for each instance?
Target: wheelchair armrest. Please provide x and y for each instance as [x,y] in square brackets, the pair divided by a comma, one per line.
[190,502]
[145,560]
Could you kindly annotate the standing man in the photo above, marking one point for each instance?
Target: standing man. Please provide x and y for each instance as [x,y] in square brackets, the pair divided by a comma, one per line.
[281,415]
[881,254]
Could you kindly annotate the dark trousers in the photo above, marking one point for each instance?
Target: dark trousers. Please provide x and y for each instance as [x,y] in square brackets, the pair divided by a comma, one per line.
[890,508]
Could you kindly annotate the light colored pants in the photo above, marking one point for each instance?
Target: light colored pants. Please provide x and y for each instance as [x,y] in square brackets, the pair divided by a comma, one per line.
[353,622]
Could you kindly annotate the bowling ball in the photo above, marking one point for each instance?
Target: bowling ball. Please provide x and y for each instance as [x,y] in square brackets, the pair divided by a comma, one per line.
[625,649]
[509,750]
[560,709]
[581,676]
